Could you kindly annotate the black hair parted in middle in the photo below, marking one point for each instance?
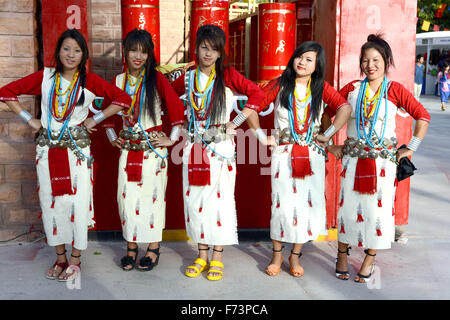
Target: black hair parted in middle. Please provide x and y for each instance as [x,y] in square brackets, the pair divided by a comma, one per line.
[216,37]
[287,78]
[142,39]
[81,41]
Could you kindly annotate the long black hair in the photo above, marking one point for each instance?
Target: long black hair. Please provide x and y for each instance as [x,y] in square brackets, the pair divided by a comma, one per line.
[287,78]
[135,39]
[78,37]
[376,41]
[216,37]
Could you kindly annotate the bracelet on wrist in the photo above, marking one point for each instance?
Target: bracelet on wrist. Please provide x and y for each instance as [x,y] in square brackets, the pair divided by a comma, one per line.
[111,134]
[414,143]
[175,133]
[239,119]
[260,135]
[25,116]
[99,117]
[330,131]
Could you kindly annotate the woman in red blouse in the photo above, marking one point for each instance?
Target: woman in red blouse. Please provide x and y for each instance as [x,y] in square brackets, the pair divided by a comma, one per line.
[209,166]
[143,160]
[369,155]
[63,161]
[298,163]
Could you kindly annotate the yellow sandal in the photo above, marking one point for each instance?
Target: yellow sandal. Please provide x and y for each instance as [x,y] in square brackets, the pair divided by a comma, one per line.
[214,263]
[203,265]
[200,262]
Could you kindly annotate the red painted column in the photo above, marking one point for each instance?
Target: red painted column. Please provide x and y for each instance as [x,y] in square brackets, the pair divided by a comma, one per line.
[304,21]
[208,12]
[237,45]
[57,16]
[342,28]
[142,14]
[276,38]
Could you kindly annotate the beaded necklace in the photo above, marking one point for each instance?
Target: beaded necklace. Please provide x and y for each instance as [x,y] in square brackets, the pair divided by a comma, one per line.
[361,117]
[70,95]
[294,120]
[127,85]
[52,105]
[138,95]
[203,95]
[196,119]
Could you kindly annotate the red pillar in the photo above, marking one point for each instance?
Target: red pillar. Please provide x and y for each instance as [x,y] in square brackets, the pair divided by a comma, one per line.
[304,21]
[142,14]
[237,45]
[276,38]
[57,16]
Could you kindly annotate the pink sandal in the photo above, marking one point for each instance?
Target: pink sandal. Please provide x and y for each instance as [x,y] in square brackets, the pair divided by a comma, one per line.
[57,264]
[76,268]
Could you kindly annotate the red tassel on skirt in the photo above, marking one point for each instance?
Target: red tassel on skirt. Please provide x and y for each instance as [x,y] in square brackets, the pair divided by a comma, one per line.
[301,167]
[199,169]
[58,164]
[360,218]
[365,176]
[134,165]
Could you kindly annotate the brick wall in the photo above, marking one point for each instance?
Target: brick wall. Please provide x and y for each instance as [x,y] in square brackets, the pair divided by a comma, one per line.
[19,205]
[19,33]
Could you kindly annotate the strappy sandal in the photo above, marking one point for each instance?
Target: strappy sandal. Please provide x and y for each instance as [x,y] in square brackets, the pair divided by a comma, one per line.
[274,270]
[146,263]
[76,268]
[366,278]
[294,272]
[129,260]
[55,266]
[202,263]
[215,263]
[343,273]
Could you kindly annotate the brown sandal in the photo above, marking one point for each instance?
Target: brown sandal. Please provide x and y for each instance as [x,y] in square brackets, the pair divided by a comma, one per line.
[274,269]
[295,272]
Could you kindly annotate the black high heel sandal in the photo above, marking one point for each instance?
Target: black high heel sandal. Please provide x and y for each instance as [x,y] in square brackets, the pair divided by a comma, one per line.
[146,263]
[343,273]
[366,277]
[129,260]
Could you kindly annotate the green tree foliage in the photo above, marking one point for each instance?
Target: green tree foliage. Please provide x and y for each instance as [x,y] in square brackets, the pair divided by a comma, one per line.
[426,10]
